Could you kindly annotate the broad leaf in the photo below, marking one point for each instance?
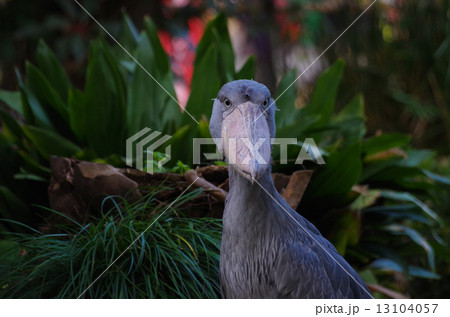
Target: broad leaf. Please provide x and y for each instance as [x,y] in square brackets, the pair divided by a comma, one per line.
[388,265]
[49,143]
[213,67]
[350,121]
[324,95]
[11,128]
[405,196]
[347,227]
[437,178]
[77,114]
[52,70]
[334,180]
[149,102]
[408,212]
[247,70]
[12,99]
[420,272]
[45,101]
[161,57]
[285,101]
[417,238]
[205,86]
[128,39]
[13,208]
[103,114]
[384,142]
[216,34]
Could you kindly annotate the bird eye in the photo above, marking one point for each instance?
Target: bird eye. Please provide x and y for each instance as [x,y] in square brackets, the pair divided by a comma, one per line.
[266,102]
[227,102]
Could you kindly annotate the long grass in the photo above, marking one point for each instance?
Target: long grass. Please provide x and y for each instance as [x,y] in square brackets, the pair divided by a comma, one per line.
[177,257]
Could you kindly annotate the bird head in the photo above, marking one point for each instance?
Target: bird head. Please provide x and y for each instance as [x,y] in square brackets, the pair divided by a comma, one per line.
[242,125]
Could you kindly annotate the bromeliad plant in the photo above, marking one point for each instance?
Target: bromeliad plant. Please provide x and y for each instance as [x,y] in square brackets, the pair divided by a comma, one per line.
[367,198]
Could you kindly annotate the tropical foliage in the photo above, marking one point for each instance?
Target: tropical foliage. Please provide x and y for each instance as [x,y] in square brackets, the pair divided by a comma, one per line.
[368,199]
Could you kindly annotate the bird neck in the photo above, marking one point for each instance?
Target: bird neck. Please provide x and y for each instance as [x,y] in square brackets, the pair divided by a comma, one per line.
[251,210]
[241,185]
[247,197]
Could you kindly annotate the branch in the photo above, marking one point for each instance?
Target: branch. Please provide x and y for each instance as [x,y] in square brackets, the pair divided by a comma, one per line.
[216,192]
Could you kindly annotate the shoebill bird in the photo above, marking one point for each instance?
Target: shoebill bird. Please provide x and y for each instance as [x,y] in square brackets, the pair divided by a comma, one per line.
[268,250]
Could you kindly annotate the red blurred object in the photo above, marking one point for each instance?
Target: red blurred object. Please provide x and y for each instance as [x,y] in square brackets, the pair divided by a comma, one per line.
[181,50]
[175,3]
[393,15]
[166,41]
[196,29]
[290,31]
[280,3]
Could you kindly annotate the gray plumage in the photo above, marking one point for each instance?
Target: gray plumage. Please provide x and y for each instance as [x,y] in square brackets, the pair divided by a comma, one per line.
[269,250]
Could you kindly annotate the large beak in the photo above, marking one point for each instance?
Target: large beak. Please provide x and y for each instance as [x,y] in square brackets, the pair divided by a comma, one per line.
[246,140]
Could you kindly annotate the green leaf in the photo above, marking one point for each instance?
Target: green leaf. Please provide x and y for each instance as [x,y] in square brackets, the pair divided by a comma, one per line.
[365,200]
[420,272]
[285,100]
[213,67]
[347,228]
[247,70]
[103,113]
[10,126]
[437,178]
[52,70]
[368,276]
[10,251]
[407,212]
[375,167]
[417,238]
[350,122]
[149,104]
[12,207]
[387,265]
[180,143]
[414,106]
[297,129]
[324,95]
[216,34]
[24,174]
[205,86]
[77,114]
[9,160]
[405,196]
[332,182]
[128,38]
[32,109]
[49,143]
[12,99]
[397,174]
[45,101]
[417,157]
[161,57]
[384,142]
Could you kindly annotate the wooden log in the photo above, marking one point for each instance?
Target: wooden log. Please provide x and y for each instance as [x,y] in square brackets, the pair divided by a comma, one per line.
[78,189]
[218,193]
[294,190]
